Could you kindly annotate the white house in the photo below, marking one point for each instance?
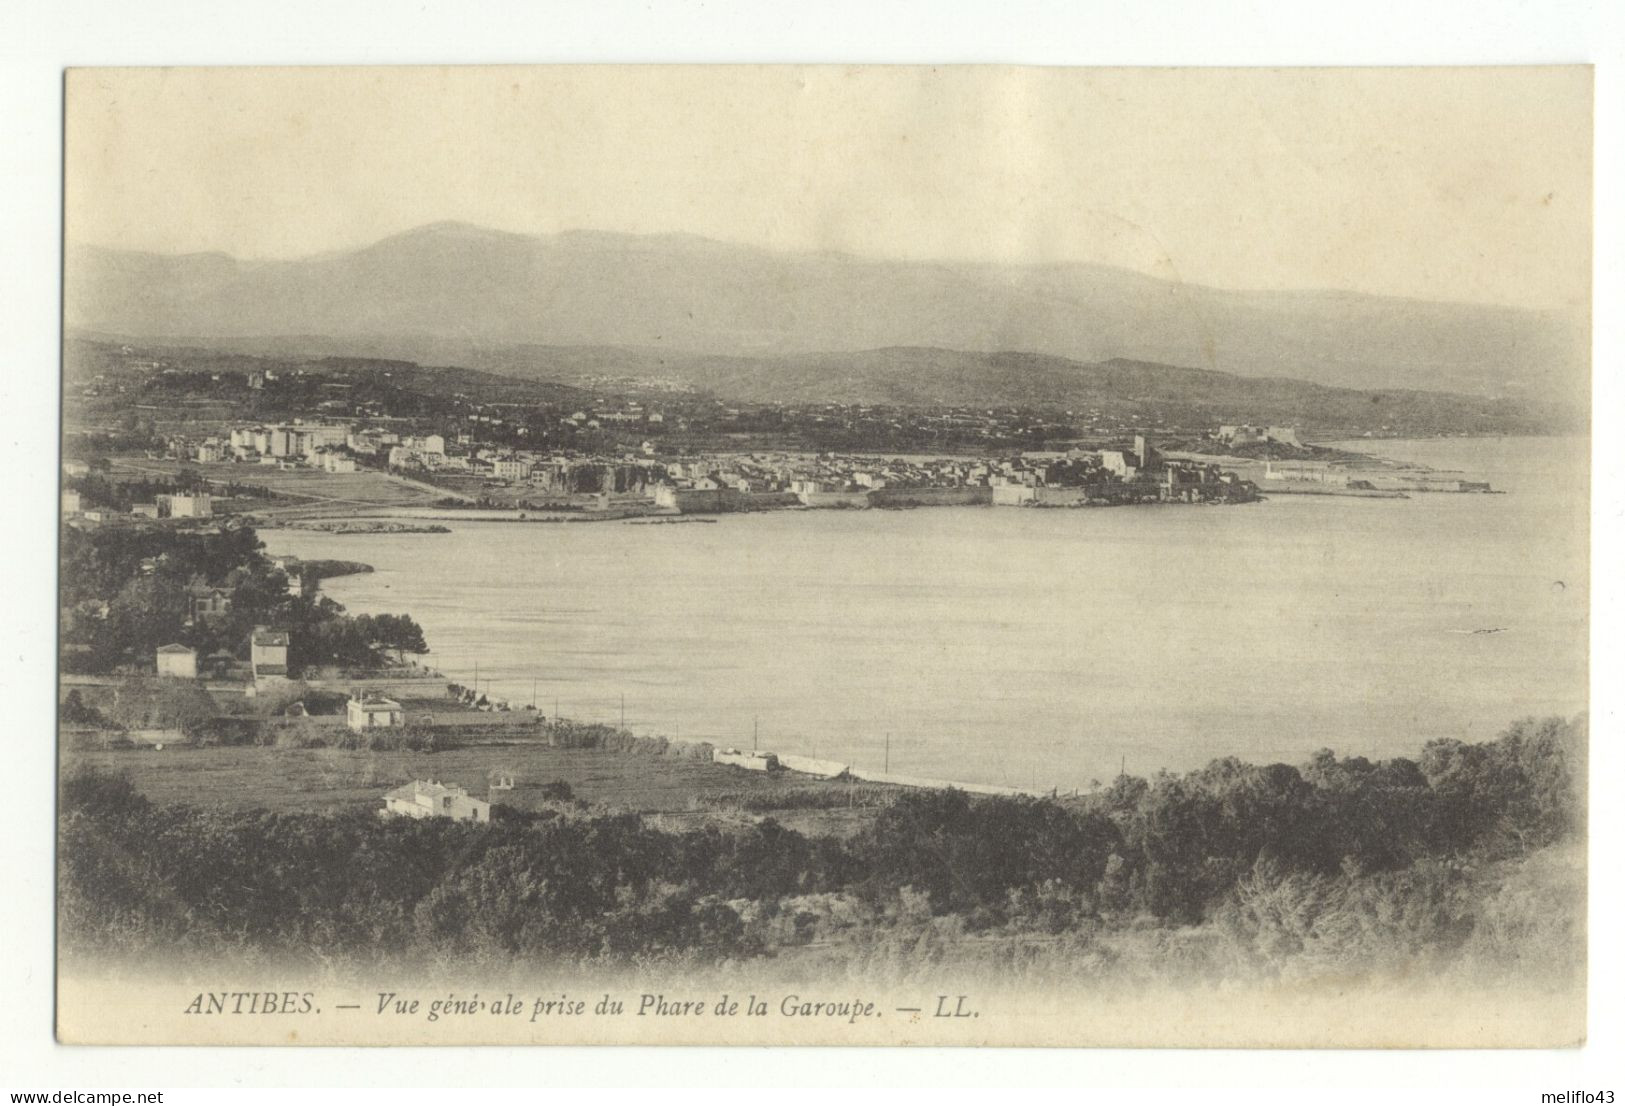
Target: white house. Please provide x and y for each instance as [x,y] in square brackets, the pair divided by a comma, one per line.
[1120,462]
[177,661]
[268,653]
[185,506]
[510,469]
[373,713]
[428,799]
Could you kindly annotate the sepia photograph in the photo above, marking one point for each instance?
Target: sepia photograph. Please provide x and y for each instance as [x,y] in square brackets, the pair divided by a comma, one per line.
[824,555]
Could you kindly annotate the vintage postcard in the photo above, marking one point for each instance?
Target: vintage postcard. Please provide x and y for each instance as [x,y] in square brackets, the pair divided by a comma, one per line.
[825,556]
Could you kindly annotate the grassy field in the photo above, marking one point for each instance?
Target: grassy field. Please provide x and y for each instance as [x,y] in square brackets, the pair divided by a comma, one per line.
[311,488]
[257,777]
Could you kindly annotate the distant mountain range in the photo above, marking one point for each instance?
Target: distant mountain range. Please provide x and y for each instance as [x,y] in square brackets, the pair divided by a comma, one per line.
[754,323]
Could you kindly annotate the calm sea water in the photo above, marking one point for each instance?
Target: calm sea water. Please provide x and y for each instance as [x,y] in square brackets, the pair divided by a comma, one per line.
[1023,647]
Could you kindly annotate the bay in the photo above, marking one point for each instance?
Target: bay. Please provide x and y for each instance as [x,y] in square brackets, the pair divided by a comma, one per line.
[1031,648]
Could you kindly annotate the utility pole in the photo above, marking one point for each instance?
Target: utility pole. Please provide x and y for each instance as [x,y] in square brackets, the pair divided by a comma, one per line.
[888,751]
[755,733]
[534,702]
[623,710]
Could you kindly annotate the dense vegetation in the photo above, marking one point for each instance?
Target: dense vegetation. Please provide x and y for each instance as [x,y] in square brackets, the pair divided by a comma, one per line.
[124,593]
[97,490]
[1355,862]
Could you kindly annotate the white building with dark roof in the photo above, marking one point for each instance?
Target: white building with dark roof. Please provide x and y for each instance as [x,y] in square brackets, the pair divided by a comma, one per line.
[372,713]
[268,654]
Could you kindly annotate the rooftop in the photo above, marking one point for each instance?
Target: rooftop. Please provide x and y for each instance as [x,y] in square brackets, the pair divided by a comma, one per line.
[428,789]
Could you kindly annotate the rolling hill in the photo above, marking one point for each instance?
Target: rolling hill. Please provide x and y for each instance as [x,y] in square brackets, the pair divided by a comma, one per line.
[762,323]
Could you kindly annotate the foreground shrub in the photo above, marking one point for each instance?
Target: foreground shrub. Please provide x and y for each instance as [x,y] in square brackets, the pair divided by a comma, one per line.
[1232,870]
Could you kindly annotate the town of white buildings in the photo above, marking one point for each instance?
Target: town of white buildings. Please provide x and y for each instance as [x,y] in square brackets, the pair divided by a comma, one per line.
[648,481]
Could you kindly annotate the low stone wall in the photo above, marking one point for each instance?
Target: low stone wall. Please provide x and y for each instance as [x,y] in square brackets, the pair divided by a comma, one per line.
[931,497]
[770,501]
[1060,497]
[715,501]
[828,500]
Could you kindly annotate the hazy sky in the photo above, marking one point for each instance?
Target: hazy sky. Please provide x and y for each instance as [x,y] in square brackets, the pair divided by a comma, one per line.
[1447,184]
